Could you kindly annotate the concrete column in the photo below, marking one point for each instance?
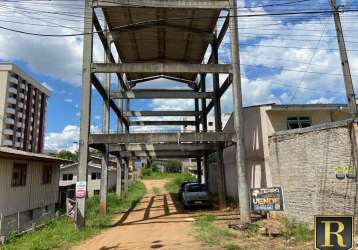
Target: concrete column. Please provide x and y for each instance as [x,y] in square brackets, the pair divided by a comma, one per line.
[205,126]
[197,129]
[104,181]
[85,106]
[238,116]
[126,174]
[105,130]
[119,177]
[218,127]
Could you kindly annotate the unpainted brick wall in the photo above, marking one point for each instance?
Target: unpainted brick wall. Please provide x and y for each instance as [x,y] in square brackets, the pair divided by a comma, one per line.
[303,162]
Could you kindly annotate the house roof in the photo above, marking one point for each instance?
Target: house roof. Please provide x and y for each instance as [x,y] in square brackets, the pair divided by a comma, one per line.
[11,153]
[90,164]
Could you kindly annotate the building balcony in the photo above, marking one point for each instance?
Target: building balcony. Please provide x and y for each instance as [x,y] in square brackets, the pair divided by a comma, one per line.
[7,142]
[20,105]
[23,86]
[9,121]
[8,131]
[11,100]
[12,90]
[22,95]
[13,80]
[10,111]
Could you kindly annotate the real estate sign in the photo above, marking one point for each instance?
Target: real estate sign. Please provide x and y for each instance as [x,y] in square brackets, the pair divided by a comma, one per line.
[81,189]
[267,199]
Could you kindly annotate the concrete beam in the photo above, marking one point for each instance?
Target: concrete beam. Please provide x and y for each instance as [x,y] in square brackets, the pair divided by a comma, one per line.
[164,147]
[160,94]
[97,84]
[106,46]
[164,154]
[187,4]
[150,138]
[207,36]
[160,68]
[133,83]
[161,123]
[161,113]
[222,91]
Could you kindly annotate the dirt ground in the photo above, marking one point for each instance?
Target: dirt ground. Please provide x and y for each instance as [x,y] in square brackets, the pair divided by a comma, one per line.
[155,223]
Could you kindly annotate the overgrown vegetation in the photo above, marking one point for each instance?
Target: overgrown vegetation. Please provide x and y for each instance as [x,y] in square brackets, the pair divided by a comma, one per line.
[173,185]
[173,166]
[155,190]
[160,176]
[67,155]
[211,234]
[297,230]
[62,233]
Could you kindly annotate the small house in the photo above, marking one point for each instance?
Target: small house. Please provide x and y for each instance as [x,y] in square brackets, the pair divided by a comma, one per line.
[28,189]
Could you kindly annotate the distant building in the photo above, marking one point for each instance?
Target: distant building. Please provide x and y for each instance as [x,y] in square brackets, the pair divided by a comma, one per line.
[69,176]
[28,189]
[189,165]
[262,121]
[23,103]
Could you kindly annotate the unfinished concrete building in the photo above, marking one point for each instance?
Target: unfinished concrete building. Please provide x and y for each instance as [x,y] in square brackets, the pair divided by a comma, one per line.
[161,39]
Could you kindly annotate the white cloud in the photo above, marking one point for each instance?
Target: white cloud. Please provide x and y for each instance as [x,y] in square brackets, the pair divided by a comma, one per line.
[68,100]
[65,140]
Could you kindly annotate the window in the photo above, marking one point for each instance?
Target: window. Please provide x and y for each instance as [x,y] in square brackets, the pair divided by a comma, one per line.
[211,124]
[67,177]
[96,176]
[298,122]
[96,192]
[19,175]
[46,174]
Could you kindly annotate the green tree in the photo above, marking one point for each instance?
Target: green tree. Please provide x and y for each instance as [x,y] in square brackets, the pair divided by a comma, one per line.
[67,155]
[173,166]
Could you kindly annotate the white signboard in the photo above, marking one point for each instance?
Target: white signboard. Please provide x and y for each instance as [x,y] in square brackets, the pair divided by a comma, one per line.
[81,189]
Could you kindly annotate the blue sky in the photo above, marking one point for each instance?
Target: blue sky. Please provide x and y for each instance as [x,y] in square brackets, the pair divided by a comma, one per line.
[290,59]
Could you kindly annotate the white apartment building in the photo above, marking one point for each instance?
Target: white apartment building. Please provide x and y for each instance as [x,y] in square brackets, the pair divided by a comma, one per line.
[23,103]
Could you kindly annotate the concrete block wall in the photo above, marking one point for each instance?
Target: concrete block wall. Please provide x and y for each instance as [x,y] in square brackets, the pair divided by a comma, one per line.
[303,162]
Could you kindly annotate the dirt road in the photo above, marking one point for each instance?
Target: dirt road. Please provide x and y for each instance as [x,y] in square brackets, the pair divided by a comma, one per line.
[155,223]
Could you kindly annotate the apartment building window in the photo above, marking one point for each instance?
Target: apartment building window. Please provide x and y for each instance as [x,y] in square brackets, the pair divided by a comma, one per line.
[298,122]
[211,124]
[96,176]
[67,177]
[19,174]
[46,174]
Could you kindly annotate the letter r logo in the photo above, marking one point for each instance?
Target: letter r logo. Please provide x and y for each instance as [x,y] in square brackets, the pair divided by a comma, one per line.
[334,232]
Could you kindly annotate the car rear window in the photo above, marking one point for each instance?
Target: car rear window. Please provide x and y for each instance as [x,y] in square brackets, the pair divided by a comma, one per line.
[196,188]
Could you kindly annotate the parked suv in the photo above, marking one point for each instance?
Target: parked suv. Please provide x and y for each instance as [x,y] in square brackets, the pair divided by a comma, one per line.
[181,189]
[195,194]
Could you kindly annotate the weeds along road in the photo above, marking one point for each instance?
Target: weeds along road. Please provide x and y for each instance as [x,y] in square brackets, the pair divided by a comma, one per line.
[157,222]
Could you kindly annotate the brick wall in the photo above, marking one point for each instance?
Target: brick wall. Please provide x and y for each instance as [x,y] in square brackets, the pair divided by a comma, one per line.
[303,162]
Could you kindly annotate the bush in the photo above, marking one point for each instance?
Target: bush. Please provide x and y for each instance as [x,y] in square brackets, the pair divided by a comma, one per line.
[173,185]
[173,166]
[297,230]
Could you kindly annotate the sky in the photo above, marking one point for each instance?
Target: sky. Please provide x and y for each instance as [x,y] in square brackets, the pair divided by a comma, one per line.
[284,59]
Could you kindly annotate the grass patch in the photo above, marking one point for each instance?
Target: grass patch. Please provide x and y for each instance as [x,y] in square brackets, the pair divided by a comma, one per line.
[62,233]
[298,230]
[155,190]
[160,176]
[232,246]
[173,185]
[211,234]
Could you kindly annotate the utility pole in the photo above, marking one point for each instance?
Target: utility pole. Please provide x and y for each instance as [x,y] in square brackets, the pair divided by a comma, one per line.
[243,187]
[352,107]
